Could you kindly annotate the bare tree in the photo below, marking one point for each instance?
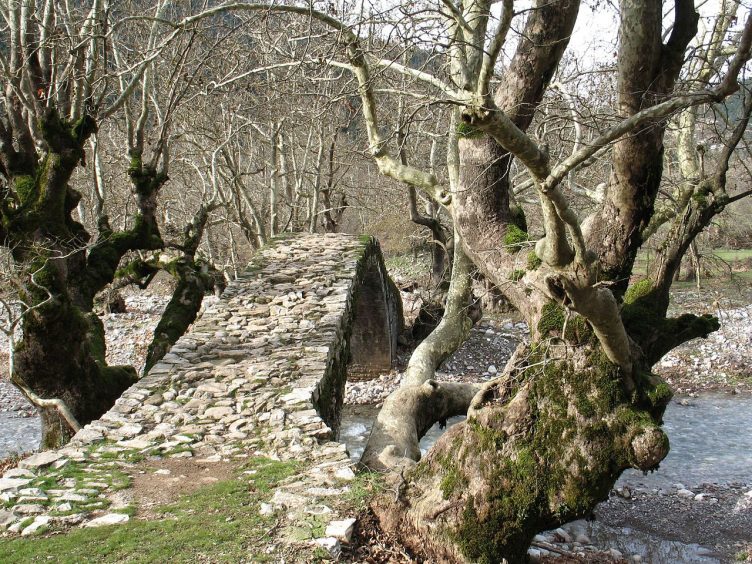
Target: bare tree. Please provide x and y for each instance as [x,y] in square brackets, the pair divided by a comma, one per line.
[577,404]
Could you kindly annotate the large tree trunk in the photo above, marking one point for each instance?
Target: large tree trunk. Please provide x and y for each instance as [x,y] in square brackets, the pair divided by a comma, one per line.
[542,445]
[545,442]
[410,411]
[194,280]
[61,357]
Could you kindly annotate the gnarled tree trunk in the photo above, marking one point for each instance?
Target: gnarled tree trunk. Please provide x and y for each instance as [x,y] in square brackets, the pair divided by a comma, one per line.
[542,445]
[62,352]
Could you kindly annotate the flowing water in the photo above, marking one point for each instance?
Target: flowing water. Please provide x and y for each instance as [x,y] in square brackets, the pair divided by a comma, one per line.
[357,421]
[18,434]
[711,442]
[710,439]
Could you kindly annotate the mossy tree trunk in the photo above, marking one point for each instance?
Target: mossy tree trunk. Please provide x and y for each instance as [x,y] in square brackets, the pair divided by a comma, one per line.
[542,445]
[194,279]
[62,351]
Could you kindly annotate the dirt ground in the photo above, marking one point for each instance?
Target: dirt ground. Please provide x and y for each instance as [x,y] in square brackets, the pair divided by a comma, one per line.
[159,482]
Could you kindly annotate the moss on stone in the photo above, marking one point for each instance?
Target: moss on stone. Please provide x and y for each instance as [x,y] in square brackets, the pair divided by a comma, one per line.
[533,261]
[514,237]
[516,275]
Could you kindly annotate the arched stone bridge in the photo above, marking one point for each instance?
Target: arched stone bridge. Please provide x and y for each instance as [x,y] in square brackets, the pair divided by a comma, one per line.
[261,373]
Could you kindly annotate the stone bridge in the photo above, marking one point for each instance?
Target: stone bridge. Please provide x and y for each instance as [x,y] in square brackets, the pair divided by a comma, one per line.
[261,373]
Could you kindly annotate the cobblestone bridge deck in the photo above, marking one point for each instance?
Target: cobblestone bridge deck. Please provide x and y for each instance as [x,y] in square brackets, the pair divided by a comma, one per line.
[261,373]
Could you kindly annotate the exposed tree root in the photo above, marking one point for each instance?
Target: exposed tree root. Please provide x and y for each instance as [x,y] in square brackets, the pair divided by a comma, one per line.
[406,417]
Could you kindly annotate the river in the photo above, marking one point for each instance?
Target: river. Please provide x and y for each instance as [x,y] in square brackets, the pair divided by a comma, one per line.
[18,434]
[711,443]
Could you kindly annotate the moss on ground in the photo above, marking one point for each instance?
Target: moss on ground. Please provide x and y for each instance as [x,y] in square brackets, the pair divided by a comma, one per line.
[533,261]
[518,217]
[516,275]
[366,486]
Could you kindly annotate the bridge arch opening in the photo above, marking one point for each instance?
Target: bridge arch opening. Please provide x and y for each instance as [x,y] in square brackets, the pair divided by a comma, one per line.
[375,323]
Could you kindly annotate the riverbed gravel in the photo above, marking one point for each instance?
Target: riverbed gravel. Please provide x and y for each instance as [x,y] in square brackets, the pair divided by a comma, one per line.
[488,348]
[722,362]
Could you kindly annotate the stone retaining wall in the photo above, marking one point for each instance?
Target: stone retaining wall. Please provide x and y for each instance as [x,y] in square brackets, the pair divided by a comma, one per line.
[261,372]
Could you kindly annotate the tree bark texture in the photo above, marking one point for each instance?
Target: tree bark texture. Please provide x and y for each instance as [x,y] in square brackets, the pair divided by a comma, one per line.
[62,351]
[410,411]
[542,445]
[545,442]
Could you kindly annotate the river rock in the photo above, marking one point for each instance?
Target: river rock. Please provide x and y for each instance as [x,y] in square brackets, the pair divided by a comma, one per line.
[331,545]
[287,499]
[40,460]
[341,530]
[219,412]
[127,431]
[28,509]
[12,483]
[109,519]
[562,535]
[6,518]
[38,523]
[744,503]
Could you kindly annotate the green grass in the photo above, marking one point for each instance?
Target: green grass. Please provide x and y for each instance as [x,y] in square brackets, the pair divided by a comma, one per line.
[728,255]
[363,488]
[218,523]
[731,255]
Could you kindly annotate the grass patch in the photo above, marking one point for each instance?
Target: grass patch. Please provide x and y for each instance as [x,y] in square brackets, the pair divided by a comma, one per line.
[731,255]
[218,523]
[364,488]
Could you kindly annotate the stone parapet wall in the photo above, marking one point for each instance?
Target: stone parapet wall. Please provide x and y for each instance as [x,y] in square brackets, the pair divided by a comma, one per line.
[260,373]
